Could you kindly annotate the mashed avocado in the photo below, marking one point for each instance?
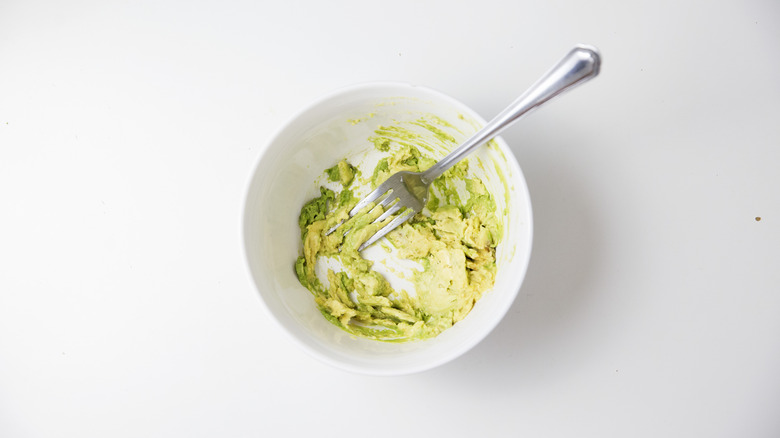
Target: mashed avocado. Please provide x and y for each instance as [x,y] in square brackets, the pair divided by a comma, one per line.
[342,172]
[453,240]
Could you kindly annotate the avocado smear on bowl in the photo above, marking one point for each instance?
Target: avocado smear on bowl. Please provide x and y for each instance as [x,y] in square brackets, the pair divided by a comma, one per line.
[453,240]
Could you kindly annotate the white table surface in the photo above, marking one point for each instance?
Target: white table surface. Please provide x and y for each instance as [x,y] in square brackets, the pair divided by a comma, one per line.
[128,132]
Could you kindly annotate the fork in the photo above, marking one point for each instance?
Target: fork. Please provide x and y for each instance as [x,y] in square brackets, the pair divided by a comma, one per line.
[406,192]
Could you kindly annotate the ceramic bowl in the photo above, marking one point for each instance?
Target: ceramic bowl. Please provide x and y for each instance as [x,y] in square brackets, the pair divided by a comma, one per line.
[337,126]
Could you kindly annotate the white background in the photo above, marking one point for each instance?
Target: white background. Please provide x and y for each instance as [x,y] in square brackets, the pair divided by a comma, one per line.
[129,130]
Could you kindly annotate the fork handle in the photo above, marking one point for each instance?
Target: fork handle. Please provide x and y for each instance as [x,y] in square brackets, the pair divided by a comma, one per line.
[579,65]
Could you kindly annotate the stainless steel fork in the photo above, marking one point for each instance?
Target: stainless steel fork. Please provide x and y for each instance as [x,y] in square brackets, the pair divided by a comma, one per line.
[407,192]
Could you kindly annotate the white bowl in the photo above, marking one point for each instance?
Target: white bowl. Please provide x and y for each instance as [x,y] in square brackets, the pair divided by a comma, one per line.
[330,129]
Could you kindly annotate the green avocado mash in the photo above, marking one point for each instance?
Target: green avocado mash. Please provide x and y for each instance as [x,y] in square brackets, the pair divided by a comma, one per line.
[453,240]
[342,172]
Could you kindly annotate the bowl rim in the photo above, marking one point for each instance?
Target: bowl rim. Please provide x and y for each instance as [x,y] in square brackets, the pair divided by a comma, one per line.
[463,347]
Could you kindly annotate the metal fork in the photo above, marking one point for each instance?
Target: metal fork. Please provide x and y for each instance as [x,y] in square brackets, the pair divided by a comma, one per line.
[407,192]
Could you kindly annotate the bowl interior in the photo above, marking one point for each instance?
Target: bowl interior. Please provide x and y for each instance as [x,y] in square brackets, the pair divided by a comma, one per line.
[339,126]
